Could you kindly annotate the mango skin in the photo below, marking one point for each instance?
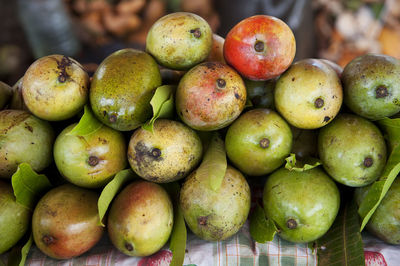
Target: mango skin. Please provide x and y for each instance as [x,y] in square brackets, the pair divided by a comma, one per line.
[300,86]
[215,215]
[65,222]
[385,222]
[24,138]
[140,219]
[14,218]
[174,45]
[202,104]
[243,138]
[72,156]
[180,151]
[343,146]
[55,87]
[122,87]
[362,76]
[310,198]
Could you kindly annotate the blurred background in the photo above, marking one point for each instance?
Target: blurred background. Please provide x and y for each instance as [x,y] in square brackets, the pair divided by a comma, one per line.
[89,30]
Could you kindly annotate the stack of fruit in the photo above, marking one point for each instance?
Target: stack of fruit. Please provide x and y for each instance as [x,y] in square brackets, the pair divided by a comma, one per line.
[178,157]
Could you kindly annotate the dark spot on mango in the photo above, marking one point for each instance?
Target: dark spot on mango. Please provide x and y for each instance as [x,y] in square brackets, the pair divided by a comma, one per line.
[381,92]
[48,240]
[129,246]
[326,118]
[93,160]
[237,96]
[202,220]
[291,224]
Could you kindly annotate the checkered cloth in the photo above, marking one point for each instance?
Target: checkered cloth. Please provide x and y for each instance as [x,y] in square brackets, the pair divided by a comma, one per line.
[237,250]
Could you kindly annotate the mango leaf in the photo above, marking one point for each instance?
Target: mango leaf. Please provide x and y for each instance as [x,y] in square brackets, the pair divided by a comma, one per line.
[392,129]
[342,244]
[261,228]
[248,103]
[111,189]
[299,166]
[163,105]
[18,254]
[214,162]
[380,187]
[179,234]
[28,186]
[87,125]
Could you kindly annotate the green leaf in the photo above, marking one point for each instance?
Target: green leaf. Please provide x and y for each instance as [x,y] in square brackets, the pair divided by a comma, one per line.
[299,166]
[28,186]
[163,105]
[380,187]
[342,244]
[111,189]
[392,129]
[214,162]
[261,228]
[179,234]
[18,254]
[87,125]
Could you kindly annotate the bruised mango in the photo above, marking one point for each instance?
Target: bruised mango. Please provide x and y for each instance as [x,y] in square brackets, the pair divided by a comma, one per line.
[167,154]
[24,138]
[55,87]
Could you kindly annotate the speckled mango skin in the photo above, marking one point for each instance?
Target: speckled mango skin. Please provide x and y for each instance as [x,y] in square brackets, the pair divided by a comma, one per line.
[385,222]
[122,88]
[140,219]
[180,151]
[215,215]
[311,198]
[68,216]
[298,88]
[202,104]
[46,96]
[24,138]
[172,43]
[72,153]
[243,138]
[14,218]
[360,79]
[343,146]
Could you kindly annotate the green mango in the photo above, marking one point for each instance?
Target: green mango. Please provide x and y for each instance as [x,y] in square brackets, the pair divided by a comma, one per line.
[5,94]
[140,219]
[385,222]
[24,138]
[90,161]
[65,222]
[215,215]
[352,150]
[303,205]
[371,86]
[167,154]
[14,218]
[258,142]
[179,40]
[122,87]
